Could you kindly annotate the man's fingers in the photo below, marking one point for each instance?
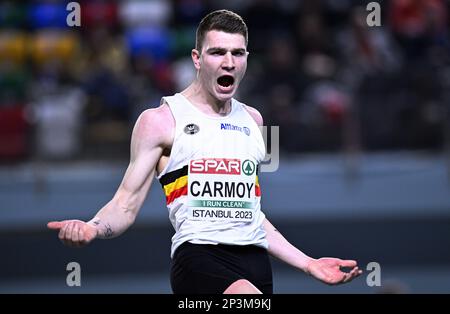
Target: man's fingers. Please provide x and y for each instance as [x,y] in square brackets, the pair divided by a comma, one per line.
[348,263]
[347,277]
[69,231]
[75,231]
[62,232]
[55,225]
[81,235]
[355,272]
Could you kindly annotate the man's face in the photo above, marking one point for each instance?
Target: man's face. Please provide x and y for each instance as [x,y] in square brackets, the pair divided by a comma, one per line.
[221,64]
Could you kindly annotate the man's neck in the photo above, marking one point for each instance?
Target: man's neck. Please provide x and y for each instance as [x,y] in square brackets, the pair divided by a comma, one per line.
[201,99]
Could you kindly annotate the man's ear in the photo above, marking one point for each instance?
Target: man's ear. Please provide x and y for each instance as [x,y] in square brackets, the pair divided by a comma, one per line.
[195,54]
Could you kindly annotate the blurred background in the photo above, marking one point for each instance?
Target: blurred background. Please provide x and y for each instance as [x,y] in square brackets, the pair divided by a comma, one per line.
[364,116]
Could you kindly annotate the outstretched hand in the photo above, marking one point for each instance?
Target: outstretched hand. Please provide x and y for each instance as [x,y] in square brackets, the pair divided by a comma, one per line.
[328,270]
[74,233]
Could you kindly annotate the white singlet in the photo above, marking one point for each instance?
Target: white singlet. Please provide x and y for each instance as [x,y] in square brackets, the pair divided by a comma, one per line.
[210,181]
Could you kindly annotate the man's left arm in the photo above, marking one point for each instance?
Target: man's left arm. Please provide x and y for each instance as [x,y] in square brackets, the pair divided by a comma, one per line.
[325,269]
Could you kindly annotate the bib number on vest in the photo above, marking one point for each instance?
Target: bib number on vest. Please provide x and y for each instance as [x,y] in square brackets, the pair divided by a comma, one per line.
[221,189]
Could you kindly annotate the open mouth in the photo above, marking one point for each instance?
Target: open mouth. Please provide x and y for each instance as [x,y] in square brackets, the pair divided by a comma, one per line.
[225,80]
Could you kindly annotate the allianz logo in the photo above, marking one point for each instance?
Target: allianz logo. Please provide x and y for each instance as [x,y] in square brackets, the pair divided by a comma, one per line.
[231,127]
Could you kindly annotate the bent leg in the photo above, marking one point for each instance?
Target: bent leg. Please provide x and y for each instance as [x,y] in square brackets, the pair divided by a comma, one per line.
[242,286]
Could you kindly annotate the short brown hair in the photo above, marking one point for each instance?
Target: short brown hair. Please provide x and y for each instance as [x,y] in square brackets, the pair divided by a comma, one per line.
[220,20]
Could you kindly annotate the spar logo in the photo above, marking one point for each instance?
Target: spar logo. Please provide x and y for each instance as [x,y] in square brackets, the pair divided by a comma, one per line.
[248,167]
[216,166]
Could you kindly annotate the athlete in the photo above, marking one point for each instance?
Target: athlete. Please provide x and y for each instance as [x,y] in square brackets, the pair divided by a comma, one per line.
[205,147]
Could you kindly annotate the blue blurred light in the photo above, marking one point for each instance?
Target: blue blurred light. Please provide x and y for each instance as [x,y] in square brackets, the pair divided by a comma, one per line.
[44,15]
[149,41]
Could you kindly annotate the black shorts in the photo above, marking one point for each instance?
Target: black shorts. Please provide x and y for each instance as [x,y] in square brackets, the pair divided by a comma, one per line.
[211,269]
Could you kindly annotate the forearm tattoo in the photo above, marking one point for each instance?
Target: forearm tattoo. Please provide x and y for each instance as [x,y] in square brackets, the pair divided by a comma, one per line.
[106,229]
[108,232]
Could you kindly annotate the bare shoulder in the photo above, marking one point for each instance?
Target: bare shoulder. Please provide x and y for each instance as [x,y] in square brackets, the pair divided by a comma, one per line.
[156,125]
[255,115]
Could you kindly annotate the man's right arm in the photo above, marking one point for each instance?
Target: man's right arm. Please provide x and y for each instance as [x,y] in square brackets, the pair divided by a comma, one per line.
[152,133]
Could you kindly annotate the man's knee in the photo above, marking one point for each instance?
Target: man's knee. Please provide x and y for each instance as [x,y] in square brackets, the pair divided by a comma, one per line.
[242,286]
